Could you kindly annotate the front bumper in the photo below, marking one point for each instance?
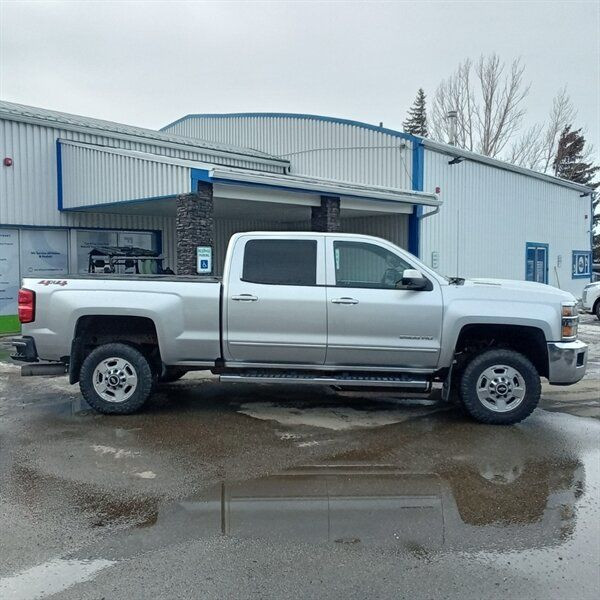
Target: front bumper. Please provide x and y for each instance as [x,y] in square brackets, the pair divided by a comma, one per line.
[566,362]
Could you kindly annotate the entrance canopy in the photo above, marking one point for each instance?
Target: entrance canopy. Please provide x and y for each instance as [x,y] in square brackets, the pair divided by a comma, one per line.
[95,178]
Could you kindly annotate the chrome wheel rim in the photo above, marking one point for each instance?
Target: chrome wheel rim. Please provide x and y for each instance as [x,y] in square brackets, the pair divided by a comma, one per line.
[501,388]
[115,379]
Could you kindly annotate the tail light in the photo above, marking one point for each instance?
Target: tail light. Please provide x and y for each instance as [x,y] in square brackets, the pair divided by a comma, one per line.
[26,308]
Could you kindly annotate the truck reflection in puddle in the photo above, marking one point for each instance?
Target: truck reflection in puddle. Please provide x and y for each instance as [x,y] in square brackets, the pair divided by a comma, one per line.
[384,507]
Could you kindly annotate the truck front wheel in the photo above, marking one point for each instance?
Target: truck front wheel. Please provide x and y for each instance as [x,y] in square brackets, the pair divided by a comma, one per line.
[500,387]
[115,379]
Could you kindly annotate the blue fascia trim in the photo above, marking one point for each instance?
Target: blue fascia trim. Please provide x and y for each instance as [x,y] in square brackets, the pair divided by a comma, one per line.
[59,182]
[283,115]
[117,203]
[197,175]
[414,221]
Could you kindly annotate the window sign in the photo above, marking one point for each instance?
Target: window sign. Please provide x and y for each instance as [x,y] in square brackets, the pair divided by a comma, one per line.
[9,271]
[581,265]
[44,252]
[204,260]
[88,240]
[137,239]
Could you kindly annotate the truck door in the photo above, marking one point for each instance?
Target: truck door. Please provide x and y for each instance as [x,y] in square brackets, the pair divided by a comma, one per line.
[275,304]
[372,323]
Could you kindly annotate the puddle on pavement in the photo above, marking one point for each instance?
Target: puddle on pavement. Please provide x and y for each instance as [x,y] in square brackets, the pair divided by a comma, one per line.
[533,506]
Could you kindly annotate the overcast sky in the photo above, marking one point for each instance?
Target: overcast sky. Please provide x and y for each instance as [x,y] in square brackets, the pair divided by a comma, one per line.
[148,63]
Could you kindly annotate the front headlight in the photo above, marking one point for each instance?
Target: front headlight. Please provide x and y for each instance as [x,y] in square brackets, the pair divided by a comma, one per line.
[570,321]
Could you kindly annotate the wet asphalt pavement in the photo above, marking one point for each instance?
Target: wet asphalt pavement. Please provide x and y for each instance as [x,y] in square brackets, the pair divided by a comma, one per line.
[248,491]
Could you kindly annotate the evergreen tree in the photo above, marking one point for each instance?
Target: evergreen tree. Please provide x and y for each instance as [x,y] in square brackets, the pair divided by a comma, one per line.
[416,121]
[570,163]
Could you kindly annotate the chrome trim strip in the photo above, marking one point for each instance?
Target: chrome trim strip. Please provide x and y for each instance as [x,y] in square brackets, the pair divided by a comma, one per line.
[324,381]
[387,348]
[320,367]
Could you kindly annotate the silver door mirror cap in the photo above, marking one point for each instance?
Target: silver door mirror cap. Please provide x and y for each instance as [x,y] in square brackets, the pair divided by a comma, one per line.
[412,279]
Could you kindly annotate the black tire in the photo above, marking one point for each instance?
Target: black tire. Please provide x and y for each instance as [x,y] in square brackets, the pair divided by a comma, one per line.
[172,374]
[136,360]
[490,358]
[597,309]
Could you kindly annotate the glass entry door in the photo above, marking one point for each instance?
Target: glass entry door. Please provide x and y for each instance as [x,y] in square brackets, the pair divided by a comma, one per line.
[536,262]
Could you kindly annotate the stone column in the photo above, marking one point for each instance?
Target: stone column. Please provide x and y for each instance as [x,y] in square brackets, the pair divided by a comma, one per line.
[327,216]
[195,226]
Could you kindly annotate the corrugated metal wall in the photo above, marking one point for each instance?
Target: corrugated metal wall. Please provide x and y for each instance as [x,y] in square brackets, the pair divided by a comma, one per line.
[389,227]
[92,175]
[28,193]
[316,147]
[489,214]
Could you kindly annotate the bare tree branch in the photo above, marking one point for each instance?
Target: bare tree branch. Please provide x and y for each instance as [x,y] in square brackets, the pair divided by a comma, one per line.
[489,106]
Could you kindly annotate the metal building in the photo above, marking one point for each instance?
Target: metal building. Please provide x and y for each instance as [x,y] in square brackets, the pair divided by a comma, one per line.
[497,220]
[69,184]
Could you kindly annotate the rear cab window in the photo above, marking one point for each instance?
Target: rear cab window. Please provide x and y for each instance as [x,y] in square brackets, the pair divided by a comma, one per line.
[280,262]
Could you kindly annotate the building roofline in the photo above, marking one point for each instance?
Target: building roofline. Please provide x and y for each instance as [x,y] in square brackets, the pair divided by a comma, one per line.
[70,122]
[428,143]
[308,117]
[454,151]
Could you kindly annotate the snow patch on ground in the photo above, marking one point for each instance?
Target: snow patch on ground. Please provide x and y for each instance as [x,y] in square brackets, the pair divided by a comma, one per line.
[116,452]
[336,418]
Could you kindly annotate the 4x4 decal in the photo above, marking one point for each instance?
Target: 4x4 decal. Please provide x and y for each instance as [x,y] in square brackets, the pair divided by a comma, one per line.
[52,282]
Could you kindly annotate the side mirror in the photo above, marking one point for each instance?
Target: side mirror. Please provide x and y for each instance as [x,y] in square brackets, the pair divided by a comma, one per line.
[412,279]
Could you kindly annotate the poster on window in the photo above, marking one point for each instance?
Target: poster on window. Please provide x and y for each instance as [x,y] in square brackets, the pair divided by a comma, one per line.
[581,264]
[9,271]
[44,252]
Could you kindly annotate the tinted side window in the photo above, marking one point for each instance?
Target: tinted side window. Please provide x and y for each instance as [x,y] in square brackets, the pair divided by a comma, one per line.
[359,264]
[286,262]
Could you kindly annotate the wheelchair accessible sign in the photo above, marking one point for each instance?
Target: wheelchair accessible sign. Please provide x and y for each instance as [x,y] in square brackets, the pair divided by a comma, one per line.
[204,260]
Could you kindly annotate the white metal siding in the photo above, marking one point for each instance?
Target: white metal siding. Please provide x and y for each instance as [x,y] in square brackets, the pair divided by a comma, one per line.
[28,189]
[315,147]
[393,228]
[92,176]
[489,214]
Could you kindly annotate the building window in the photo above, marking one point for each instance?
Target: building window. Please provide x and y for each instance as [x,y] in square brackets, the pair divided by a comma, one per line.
[284,262]
[364,265]
[536,262]
[44,252]
[88,240]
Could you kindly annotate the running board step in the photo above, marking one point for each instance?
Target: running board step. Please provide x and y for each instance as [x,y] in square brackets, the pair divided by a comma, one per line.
[414,382]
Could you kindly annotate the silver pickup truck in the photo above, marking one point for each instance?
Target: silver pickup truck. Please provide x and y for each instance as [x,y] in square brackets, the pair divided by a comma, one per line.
[330,309]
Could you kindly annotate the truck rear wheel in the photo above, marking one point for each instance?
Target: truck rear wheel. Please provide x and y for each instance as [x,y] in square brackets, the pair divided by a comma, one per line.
[500,387]
[116,379]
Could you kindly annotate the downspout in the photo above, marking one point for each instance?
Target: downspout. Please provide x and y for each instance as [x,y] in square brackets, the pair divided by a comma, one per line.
[435,211]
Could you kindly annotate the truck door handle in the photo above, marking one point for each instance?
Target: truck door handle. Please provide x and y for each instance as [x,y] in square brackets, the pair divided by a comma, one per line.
[345,300]
[245,298]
